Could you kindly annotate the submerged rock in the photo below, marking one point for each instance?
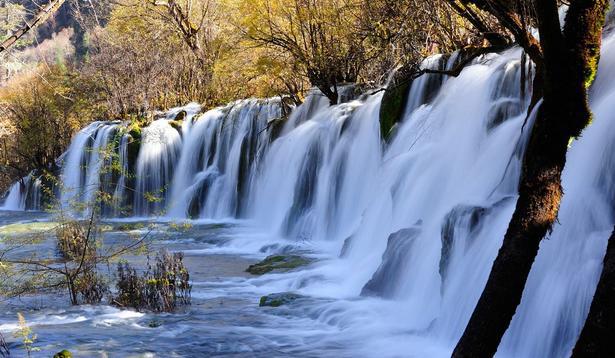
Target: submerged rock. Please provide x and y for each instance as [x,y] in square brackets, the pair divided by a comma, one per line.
[278,262]
[278,299]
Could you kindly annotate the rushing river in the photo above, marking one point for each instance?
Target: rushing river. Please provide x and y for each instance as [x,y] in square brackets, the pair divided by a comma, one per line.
[223,319]
[403,232]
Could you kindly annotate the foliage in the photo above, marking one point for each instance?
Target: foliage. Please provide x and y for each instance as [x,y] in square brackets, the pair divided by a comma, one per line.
[43,112]
[28,338]
[130,57]
[329,42]
[11,16]
[78,265]
[163,287]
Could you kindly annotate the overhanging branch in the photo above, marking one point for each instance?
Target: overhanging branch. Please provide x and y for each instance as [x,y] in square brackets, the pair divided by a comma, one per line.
[42,16]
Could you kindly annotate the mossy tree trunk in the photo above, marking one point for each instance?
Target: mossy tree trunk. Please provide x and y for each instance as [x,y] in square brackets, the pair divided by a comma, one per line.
[596,339]
[569,63]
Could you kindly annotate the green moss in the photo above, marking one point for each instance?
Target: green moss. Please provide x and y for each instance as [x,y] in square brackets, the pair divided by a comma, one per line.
[130,226]
[181,116]
[591,70]
[393,104]
[176,124]
[134,144]
[63,354]
[135,133]
[278,299]
[278,262]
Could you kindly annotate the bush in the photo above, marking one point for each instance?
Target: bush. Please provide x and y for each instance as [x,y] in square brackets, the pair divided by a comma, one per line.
[72,241]
[163,287]
[84,282]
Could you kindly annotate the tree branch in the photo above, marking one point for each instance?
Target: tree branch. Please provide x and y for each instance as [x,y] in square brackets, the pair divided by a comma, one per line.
[38,19]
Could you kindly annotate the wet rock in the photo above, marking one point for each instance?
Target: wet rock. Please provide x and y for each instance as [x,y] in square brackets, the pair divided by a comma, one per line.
[278,263]
[460,228]
[275,127]
[177,125]
[384,282]
[278,299]
[395,99]
[503,110]
[181,116]
[154,323]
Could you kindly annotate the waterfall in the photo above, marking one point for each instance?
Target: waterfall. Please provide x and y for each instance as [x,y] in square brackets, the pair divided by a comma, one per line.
[219,157]
[24,194]
[414,223]
[83,162]
[15,199]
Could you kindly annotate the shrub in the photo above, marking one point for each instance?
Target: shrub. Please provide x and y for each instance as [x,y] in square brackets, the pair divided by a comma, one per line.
[163,287]
[72,241]
[77,245]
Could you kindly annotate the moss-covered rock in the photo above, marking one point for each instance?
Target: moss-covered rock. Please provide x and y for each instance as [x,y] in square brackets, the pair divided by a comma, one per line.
[135,133]
[154,323]
[177,125]
[130,226]
[394,100]
[181,116]
[278,299]
[278,263]
[63,354]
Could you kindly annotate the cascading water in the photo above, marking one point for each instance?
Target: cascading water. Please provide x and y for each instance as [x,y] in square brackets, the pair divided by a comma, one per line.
[411,226]
[24,194]
[219,159]
[83,162]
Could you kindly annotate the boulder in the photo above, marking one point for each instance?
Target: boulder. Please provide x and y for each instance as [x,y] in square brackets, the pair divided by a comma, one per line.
[278,263]
[63,354]
[278,299]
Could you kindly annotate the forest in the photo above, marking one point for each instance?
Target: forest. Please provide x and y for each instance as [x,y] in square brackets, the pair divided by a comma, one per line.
[378,178]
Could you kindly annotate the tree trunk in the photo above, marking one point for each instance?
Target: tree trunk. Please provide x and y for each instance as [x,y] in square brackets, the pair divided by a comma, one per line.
[45,12]
[562,116]
[596,339]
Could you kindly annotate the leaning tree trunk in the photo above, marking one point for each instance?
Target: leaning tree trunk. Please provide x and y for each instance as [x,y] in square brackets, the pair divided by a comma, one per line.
[44,13]
[597,336]
[570,61]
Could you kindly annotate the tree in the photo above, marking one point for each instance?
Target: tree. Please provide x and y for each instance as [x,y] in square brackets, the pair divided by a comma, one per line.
[404,32]
[596,339]
[141,60]
[193,20]
[44,109]
[318,35]
[44,13]
[566,62]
